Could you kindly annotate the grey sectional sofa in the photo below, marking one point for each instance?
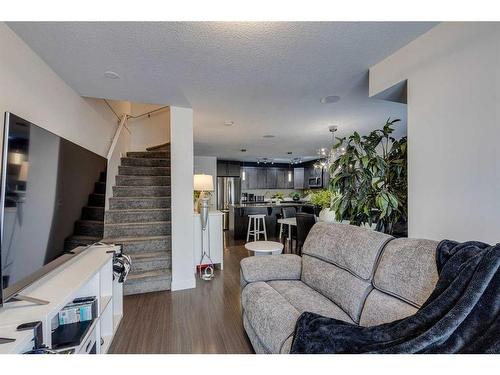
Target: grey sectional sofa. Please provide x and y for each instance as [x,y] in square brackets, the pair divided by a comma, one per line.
[346,272]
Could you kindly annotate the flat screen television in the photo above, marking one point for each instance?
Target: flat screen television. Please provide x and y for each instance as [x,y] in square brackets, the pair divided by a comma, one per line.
[45,183]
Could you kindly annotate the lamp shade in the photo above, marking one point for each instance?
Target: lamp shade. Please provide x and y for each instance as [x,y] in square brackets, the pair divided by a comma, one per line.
[203,182]
[23,172]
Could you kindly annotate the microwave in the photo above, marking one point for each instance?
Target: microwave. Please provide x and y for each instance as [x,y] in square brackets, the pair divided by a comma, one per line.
[315,182]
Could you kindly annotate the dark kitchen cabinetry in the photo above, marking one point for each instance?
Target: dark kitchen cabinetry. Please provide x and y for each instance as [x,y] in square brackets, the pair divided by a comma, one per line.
[271,178]
[261,178]
[265,178]
[298,178]
[227,168]
[250,180]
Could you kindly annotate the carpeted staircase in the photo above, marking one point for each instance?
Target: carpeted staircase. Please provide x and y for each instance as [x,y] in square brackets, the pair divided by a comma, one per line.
[89,229]
[139,218]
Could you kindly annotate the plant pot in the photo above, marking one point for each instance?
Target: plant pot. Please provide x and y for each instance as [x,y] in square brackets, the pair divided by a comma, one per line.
[326,215]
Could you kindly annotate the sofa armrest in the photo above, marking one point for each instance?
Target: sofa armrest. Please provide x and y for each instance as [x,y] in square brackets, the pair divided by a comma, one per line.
[271,267]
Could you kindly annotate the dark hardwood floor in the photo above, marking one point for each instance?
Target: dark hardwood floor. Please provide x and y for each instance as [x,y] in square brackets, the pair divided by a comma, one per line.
[202,320]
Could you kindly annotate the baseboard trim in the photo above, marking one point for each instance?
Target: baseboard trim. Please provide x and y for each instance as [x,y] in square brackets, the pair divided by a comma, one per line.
[182,284]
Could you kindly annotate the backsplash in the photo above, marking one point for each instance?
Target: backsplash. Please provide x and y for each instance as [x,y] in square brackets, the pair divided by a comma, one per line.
[268,193]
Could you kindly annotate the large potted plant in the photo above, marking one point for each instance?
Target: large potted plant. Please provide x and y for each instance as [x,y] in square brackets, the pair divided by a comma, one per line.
[370,179]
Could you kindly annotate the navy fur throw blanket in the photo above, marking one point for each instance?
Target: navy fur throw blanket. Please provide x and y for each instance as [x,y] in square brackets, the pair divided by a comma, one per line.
[460,316]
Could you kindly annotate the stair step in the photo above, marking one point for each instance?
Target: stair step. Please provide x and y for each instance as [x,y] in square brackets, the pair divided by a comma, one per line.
[130,180]
[142,262]
[91,228]
[144,171]
[137,215]
[93,213]
[141,191]
[162,147]
[74,241]
[145,282]
[131,245]
[149,154]
[97,200]
[144,162]
[100,188]
[118,203]
[155,228]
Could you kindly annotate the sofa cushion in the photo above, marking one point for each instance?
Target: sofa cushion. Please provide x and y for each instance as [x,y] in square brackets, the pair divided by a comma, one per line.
[276,267]
[383,308]
[270,315]
[287,345]
[303,298]
[257,345]
[347,246]
[407,269]
[340,286]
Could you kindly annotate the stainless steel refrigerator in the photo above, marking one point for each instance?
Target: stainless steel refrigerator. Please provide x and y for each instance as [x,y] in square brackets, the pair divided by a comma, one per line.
[228,193]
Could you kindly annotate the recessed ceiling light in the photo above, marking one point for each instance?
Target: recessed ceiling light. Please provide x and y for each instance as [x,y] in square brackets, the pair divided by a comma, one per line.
[229,123]
[330,99]
[268,136]
[111,75]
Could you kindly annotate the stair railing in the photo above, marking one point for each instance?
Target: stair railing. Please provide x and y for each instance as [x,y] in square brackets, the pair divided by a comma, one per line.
[121,126]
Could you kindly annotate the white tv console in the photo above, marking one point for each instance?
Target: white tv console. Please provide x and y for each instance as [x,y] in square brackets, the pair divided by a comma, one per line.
[89,273]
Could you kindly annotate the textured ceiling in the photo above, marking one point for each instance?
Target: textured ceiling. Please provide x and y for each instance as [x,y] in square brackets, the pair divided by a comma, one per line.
[266,77]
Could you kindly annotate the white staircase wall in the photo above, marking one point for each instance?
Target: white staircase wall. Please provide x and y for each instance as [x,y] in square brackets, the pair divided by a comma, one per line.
[31,90]
[149,131]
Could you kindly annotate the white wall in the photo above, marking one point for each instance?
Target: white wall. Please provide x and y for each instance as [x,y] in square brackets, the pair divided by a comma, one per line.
[453,74]
[181,154]
[208,165]
[31,90]
[149,131]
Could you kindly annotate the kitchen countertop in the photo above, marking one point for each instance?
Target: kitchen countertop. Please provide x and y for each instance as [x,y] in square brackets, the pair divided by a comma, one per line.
[270,204]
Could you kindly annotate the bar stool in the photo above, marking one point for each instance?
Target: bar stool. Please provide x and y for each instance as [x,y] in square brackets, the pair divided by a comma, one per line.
[256,231]
[286,212]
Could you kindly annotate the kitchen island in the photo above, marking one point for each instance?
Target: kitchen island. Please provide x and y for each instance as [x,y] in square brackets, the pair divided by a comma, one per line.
[238,216]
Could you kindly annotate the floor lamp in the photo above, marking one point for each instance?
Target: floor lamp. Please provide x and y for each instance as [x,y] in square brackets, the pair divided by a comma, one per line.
[204,183]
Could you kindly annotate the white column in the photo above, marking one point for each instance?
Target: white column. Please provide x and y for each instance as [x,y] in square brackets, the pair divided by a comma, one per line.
[181,155]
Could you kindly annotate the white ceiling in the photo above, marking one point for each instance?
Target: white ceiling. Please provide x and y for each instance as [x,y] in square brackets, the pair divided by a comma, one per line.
[266,77]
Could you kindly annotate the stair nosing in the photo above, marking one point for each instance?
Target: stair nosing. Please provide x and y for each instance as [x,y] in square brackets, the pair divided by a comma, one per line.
[163,272]
[149,254]
[139,209]
[143,166]
[140,186]
[138,239]
[141,197]
[141,158]
[141,223]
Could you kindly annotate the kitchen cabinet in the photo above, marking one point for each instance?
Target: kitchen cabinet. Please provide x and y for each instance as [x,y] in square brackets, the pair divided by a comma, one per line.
[244,178]
[226,168]
[265,178]
[252,178]
[299,178]
[272,178]
[261,178]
